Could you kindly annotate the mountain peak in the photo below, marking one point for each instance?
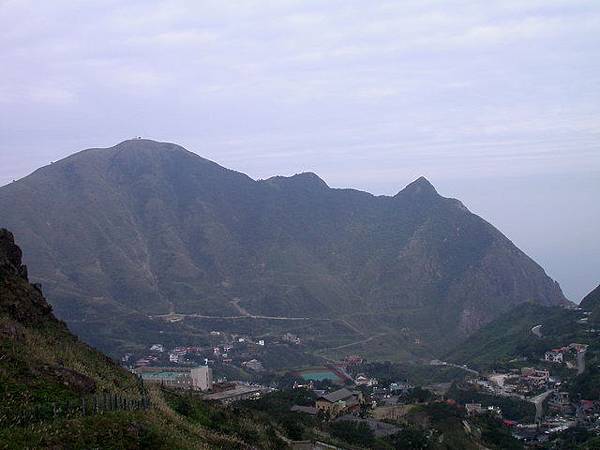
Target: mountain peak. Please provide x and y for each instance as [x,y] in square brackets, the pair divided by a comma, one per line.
[421,186]
[309,177]
[149,144]
[304,179]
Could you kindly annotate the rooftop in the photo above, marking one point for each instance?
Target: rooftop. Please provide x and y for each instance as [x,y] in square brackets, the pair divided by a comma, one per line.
[238,390]
[336,396]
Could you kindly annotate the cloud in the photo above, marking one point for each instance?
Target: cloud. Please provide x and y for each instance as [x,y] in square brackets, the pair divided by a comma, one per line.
[390,72]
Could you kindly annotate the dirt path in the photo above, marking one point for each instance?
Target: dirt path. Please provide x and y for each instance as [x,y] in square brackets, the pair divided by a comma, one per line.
[178,316]
[363,341]
[236,304]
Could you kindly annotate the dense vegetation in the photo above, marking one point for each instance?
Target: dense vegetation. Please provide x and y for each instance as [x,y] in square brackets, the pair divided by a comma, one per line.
[444,424]
[278,406]
[388,372]
[356,433]
[512,408]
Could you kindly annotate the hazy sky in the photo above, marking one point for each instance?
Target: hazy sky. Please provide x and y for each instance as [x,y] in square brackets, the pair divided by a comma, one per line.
[497,103]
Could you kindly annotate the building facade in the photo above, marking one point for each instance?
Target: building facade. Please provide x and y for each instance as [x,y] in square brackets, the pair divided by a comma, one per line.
[202,378]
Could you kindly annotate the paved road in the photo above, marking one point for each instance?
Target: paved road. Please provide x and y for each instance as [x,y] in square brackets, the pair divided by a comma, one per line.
[538,401]
[178,316]
[580,362]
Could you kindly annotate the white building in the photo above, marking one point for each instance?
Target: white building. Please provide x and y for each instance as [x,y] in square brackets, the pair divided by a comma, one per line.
[202,378]
[555,356]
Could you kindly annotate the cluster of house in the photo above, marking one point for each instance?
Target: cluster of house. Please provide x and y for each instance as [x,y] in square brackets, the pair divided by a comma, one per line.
[343,405]
[521,383]
[566,355]
[382,396]
[342,401]
[291,338]
[588,414]
[363,380]
[334,404]
[191,355]
[476,408]
[535,385]
[178,355]
[352,360]
[241,348]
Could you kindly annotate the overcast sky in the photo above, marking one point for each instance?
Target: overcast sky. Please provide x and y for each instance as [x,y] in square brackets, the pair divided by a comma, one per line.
[496,103]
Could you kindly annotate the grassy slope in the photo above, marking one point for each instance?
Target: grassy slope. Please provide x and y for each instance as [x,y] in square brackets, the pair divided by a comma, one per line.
[45,372]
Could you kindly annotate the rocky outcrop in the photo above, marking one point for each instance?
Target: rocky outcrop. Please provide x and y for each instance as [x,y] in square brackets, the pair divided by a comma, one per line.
[10,256]
[21,300]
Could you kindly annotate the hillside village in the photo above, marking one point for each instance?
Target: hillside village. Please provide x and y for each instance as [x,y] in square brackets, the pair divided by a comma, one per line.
[226,349]
[530,401]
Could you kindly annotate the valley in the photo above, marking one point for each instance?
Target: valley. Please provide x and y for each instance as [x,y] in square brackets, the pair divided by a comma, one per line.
[339,317]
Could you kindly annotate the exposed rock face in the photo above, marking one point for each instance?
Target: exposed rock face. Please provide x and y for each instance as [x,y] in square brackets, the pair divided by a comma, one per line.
[150,228]
[21,300]
[10,256]
[23,308]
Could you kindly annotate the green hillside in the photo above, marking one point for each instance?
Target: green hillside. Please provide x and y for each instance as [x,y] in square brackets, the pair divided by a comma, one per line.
[120,235]
[56,392]
[509,340]
[510,336]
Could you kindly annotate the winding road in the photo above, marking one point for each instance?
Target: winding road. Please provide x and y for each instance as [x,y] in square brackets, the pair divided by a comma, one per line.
[179,316]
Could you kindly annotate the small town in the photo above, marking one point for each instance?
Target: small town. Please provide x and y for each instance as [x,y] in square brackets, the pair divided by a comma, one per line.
[529,401]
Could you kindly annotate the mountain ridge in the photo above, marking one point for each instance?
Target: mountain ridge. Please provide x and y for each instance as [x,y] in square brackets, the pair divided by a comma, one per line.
[145,228]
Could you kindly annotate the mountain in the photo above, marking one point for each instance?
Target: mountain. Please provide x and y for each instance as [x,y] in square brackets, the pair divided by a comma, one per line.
[59,393]
[509,336]
[509,341]
[121,235]
[591,303]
